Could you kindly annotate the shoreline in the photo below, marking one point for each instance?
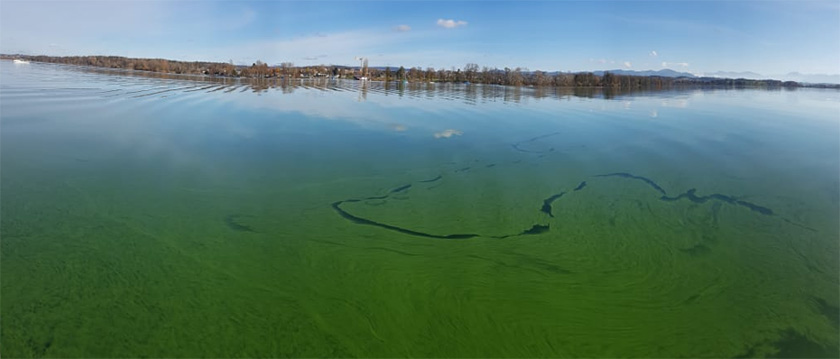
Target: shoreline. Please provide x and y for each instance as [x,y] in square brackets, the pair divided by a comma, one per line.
[507,77]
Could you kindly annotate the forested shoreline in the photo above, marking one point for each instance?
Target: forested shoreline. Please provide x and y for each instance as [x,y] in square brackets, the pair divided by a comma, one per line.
[470,73]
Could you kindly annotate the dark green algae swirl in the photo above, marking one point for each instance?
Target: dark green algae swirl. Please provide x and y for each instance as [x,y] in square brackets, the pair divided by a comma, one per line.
[538,228]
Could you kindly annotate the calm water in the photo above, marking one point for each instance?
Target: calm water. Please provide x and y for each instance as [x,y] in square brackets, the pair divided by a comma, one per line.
[167,217]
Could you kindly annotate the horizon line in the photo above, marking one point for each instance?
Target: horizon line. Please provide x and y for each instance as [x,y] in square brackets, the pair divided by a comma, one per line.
[523,69]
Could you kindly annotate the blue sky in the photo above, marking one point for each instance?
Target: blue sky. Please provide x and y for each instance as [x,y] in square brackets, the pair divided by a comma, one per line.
[768,37]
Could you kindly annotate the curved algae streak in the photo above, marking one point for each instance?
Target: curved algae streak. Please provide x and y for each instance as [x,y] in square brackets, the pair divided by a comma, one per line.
[535,229]
[401,188]
[516,146]
[640,178]
[431,180]
[547,204]
[691,196]
[359,220]
[546,207]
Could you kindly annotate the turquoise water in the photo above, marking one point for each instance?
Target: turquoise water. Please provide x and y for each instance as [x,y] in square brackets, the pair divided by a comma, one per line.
[162,216]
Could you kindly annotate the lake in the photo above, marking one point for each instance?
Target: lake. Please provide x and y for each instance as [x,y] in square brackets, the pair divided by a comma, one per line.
[165,216]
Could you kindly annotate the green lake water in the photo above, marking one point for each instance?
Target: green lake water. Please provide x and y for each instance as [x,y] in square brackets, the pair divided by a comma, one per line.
[153,216]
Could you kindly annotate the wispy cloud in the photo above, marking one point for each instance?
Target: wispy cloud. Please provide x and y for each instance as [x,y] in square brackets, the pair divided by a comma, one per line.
[338,47]
[402,28]
[313,58]
[451,24]
[448,133]
[680,64]
[627,64]
[653,53]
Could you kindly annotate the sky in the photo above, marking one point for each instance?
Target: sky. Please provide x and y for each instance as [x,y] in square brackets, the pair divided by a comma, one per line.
[767,37]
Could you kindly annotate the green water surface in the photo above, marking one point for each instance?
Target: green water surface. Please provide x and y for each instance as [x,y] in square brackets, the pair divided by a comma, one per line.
[182,217]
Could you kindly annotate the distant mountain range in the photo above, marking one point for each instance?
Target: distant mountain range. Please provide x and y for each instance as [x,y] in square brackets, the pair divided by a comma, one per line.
[810,78]
[663,73]
[736,75]
[792,76]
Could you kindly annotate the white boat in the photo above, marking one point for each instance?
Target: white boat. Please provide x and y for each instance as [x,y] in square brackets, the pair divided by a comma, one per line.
[20,61]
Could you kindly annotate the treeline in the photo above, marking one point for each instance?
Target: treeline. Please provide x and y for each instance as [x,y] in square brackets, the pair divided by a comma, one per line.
[258,69]
[471,73]
[154,65]
[523,77]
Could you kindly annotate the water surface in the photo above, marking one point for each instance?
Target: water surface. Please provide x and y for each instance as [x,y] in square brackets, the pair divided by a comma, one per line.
[184,216]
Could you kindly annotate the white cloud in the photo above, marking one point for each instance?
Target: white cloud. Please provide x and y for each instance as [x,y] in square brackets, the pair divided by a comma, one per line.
[341,48]
[680,64]
[327,48]
[653,53]
[451,24]
[402,28]
[313,58]
[448,133]
[627,64]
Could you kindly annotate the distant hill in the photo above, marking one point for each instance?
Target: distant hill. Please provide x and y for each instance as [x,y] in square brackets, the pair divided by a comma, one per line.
[735,75]
[792,76]
[662,73]
[810,78]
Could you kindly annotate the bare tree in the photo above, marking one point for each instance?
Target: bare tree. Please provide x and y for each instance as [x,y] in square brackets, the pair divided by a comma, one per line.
[470,70]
